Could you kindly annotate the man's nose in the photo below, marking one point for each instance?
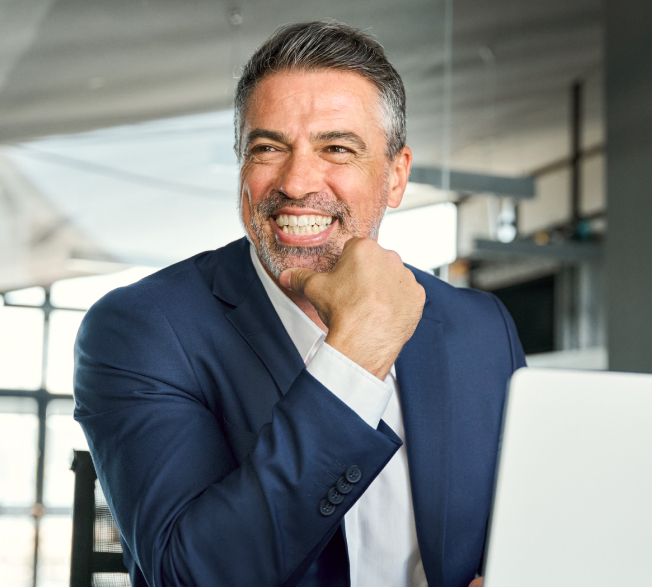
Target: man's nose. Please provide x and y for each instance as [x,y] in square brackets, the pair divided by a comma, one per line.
[302,174]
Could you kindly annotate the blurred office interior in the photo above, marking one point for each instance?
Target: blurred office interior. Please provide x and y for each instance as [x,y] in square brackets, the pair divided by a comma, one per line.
[531,128]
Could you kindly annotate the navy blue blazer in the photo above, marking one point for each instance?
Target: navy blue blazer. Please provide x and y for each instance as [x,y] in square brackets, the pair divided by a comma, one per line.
[215,446]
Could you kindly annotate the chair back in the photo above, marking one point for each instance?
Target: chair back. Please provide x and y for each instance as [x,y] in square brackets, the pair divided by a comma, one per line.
[96,559]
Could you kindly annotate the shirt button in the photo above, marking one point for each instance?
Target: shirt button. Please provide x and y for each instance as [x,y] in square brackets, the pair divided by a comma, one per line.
[343,486]
[326,508]
[334,496]
[353,474]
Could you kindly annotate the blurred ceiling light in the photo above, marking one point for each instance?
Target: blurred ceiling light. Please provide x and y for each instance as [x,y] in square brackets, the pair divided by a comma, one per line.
[235,17]
[506,233]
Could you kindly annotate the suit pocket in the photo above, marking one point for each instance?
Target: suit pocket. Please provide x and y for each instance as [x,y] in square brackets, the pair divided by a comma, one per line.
[242,441]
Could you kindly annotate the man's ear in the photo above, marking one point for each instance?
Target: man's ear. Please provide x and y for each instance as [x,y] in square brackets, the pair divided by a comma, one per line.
[399,173]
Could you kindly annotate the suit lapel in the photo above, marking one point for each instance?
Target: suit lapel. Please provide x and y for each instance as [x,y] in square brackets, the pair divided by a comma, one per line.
[254,316]
[423,381]
[257,321]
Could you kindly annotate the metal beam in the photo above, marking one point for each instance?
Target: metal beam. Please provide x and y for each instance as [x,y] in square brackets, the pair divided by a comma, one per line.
[521,187]
[570,252]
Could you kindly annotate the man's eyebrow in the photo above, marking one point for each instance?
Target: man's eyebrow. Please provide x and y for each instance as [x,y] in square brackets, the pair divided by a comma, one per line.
[341,135]
[261,133]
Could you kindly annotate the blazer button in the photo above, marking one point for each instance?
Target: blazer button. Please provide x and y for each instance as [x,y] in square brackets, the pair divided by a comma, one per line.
[343,486]
[353,474]
[334,496]
[326,508]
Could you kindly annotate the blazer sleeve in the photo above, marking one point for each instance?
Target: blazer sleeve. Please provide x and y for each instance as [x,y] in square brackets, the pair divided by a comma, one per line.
[188,514]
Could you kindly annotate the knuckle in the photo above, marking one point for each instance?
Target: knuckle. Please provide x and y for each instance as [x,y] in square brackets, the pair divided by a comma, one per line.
[354,243]
[366,244]
[309,282]
[298,279]
[419,291]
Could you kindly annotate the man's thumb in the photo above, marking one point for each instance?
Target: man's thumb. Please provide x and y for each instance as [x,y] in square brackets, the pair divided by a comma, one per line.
[295,278]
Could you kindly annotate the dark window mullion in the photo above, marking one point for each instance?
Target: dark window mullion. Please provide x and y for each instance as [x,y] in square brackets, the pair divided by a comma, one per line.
[43,401]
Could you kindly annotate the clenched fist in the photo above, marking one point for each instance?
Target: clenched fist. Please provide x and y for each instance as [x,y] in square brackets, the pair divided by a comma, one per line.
[370,302]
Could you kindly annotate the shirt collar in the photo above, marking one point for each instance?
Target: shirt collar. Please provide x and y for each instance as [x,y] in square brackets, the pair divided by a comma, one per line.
[303,332]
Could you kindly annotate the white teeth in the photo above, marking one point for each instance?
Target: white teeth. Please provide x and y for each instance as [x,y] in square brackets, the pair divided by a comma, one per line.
[304,224]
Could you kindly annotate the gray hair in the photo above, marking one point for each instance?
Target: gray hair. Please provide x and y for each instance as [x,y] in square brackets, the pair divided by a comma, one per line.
[326,45]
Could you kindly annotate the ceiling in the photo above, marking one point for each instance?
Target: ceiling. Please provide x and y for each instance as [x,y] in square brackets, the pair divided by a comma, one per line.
[73,65]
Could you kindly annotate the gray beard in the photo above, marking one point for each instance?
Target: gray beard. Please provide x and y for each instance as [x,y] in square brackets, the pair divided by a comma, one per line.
[277,257]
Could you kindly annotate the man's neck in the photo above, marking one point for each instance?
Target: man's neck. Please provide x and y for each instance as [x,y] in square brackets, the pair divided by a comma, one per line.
[299,300]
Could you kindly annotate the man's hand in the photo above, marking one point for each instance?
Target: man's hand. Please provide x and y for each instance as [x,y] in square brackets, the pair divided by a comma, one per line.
[370,302]
[477,582]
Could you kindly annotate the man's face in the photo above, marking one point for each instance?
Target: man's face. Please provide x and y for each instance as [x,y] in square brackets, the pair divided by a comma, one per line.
[314,168]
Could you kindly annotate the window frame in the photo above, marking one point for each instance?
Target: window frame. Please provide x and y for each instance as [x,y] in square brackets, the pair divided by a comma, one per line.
[43,397]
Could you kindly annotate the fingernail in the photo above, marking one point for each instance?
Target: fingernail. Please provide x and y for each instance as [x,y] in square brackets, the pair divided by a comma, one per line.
[284,279]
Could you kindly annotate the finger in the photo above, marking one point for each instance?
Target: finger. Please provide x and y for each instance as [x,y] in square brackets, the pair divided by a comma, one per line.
[477,582]
[295,278]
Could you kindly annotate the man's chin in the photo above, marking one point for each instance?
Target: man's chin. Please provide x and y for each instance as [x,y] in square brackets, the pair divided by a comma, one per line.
[319,259]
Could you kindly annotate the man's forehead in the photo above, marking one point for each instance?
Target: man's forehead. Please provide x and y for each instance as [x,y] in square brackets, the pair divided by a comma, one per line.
[323,104]
[332,92]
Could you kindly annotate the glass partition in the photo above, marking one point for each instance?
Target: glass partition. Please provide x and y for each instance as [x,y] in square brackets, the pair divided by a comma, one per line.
[116,172]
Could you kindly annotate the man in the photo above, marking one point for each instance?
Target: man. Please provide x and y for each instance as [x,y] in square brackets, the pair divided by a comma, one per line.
[301,409]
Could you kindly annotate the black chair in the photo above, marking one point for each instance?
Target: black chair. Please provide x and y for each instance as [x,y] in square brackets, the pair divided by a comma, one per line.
[96,550]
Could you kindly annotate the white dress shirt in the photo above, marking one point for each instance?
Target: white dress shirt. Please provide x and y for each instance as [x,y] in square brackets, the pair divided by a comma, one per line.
[380,530]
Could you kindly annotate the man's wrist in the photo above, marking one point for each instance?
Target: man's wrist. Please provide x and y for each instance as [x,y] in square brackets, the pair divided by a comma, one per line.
[363,392]
[378,362]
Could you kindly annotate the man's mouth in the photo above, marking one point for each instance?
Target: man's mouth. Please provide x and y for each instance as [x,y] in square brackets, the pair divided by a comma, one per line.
[304,224]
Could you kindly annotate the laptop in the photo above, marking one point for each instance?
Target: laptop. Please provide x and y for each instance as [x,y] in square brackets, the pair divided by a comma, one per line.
[572,502]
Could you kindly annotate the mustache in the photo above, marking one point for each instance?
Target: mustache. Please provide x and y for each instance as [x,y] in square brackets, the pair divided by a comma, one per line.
[326,205]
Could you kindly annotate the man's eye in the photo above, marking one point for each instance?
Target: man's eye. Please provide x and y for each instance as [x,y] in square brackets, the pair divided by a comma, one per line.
[263,149]
[338,149]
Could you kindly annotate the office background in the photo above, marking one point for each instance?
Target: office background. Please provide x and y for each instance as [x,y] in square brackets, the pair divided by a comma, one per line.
[531,127]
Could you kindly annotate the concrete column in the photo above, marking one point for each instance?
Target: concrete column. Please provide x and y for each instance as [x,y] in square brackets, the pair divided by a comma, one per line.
[629,183]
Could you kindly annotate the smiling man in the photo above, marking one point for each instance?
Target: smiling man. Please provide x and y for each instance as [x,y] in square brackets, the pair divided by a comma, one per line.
[299,407]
